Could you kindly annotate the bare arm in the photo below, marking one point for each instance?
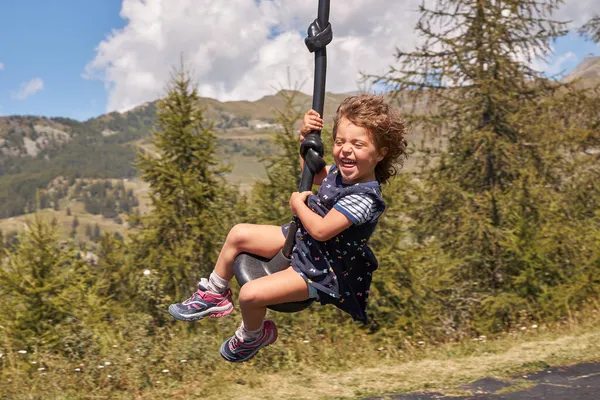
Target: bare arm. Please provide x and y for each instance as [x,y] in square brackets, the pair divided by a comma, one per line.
[320,228]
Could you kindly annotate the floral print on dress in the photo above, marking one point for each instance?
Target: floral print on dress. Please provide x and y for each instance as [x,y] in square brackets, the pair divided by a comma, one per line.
[347,255]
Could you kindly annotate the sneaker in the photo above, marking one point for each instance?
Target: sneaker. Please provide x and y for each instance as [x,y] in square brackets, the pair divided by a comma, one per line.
[203,304]
[236,350]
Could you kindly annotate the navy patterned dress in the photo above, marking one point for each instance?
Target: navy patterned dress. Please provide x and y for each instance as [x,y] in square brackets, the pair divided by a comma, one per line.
[340,268]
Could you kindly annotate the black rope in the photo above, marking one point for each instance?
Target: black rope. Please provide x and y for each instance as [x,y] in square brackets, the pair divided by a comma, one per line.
[319,35]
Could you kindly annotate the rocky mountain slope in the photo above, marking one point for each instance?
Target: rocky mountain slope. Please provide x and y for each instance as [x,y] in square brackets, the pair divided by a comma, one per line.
[587,73]
[28,136]
[33,136]
[35,150]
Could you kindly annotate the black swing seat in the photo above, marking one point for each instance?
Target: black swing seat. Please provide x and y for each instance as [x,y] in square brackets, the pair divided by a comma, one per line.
[247,267]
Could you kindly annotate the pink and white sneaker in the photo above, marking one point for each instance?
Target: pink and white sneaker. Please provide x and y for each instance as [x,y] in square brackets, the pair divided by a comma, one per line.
[203,304]
[235,349]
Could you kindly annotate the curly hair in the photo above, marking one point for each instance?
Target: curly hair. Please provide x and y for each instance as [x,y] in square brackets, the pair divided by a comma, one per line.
[384,123]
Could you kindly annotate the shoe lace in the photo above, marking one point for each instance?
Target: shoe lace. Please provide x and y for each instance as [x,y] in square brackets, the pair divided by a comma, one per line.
[235,342]
[199,293]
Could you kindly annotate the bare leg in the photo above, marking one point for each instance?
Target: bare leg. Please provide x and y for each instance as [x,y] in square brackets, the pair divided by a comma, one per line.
[280,287]
[262,240]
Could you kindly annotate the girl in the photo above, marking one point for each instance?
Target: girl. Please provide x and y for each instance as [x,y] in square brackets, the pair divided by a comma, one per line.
[331,261]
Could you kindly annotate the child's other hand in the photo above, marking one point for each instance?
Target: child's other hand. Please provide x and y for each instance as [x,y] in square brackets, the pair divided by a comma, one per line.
[311,122]
[298,200]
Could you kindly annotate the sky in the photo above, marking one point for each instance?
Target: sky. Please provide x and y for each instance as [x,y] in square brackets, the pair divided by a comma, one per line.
[83,58]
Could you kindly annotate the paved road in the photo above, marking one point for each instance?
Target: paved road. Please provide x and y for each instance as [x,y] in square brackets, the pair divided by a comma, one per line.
[577,382]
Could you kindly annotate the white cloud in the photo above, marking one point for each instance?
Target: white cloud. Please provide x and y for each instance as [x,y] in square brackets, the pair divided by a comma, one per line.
[556,65]
[230,47]
[29,88]
[578,12]
[1,66]
[232,51]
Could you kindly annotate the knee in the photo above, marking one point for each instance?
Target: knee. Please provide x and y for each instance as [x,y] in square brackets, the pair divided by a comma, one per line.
[238,235]
[250,295]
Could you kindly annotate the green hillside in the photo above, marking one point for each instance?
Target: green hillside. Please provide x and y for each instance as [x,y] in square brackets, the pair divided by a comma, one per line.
[35,150]
[487,256]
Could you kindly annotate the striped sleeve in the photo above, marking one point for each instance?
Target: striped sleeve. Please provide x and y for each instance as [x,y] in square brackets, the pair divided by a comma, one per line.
[358,208]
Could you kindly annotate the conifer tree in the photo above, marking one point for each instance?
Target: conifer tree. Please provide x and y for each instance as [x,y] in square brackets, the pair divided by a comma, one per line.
[74,226]
[592,29]
[270,198]
[483,194]
[43,290]
[97,233]
[192,207]
[114,279]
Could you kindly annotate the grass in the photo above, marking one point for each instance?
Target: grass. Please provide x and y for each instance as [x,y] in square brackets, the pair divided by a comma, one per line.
[439,369]
[246,170]
[517,385]
[352,367]
[18,224]
[77,208]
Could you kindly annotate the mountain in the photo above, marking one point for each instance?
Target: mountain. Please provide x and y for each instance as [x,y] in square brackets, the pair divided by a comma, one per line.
[30,135]
[587,73]
[35,150]
[34,136]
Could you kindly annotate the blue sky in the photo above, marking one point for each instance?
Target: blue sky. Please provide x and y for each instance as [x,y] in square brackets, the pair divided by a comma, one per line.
[49,43]
[571,44]
[53,41]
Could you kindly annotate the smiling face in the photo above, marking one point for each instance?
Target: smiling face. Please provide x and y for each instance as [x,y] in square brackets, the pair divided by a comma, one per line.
[355,153]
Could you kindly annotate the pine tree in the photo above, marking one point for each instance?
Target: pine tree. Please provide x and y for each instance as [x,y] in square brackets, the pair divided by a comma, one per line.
[11,239]
[592,29]
[97,232]
[74,226]
[270,198]
[482,200]
[115,279]
[43,289]
[55,201]
[192,207]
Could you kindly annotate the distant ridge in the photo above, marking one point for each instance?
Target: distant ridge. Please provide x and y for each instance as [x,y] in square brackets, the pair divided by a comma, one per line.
[587,72]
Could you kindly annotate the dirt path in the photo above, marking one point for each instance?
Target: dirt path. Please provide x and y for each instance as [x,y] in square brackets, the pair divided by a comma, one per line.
[581,382]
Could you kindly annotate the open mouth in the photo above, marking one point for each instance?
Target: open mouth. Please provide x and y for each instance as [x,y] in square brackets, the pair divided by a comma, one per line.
[347,163]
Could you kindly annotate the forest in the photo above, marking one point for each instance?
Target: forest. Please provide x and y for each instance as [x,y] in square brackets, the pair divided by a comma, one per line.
[495,232]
